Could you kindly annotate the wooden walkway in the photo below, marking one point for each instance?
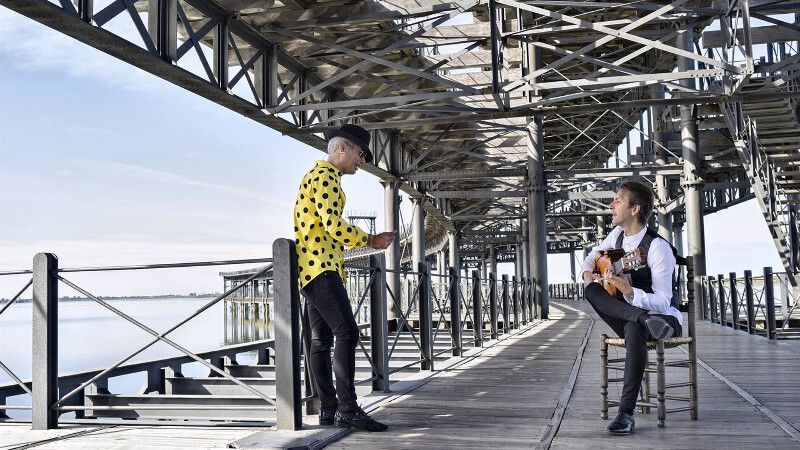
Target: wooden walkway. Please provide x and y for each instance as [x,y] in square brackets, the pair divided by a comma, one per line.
[507,397]
[528,390]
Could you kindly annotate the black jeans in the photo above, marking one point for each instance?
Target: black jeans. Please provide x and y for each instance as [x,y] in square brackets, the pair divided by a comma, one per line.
[623,318]
[329,315]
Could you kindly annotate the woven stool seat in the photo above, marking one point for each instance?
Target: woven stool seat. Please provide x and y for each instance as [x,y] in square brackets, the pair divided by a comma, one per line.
[668,343]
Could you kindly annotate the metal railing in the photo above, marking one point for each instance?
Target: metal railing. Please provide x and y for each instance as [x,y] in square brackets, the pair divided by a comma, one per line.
[433,304]
[752,304]
[426,306]
[53,395]
[566,291]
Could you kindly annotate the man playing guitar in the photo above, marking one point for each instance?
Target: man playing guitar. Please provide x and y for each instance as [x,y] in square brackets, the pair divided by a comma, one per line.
[649,307]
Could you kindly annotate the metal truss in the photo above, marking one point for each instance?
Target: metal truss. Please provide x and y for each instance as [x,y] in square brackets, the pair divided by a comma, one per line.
[449,89]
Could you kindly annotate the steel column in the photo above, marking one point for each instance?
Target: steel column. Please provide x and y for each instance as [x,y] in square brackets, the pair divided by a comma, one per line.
[537,208]
[493,260]
[692,181]
[492,306]
[44,353]
[455,310]
[477,309]
[506,305]
[417,232]
[425,317]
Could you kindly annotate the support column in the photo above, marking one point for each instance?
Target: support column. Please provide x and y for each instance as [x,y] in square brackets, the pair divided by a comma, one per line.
[454,257]
[484,266]
[537,208]
[391,213]
[692,181]
[526,250]
[572,267]
[662,193]
[417,232]
[601,229]
[493,260]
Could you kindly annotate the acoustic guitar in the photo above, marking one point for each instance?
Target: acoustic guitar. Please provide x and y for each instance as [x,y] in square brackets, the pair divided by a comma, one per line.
[621,264]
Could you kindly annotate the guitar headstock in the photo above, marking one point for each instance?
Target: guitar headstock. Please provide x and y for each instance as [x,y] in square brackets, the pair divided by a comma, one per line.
[632,261]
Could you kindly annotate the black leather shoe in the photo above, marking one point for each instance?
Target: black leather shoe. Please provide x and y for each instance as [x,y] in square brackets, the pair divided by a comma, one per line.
[622,424]
[658,327]
[326,416]
[358,419]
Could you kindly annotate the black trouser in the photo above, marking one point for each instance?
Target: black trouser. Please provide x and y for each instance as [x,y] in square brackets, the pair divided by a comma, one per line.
[623,318]
[329,315]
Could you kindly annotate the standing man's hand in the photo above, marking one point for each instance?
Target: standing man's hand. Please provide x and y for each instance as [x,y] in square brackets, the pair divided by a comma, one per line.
[382,240]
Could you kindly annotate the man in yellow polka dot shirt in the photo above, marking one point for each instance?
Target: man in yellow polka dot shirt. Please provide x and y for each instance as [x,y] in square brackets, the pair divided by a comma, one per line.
[322,236]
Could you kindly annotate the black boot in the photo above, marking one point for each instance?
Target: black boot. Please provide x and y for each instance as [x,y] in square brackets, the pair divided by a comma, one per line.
[326,416]
[358,419]
[622,424]
[658,327]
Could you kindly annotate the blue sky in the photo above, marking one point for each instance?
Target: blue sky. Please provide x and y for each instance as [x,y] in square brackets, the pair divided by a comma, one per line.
[104,164]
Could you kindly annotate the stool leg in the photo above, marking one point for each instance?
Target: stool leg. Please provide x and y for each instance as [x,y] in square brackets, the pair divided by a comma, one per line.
[693,385]
[604,377]
[646,391]
[661,382]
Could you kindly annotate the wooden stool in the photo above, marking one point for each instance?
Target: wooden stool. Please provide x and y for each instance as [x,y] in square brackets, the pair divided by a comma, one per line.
[659,367]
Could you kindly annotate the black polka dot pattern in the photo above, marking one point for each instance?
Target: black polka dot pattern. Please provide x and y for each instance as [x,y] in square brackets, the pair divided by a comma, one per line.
[321,234]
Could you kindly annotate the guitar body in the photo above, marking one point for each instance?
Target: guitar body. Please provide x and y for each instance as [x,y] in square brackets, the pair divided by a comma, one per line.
[621,264]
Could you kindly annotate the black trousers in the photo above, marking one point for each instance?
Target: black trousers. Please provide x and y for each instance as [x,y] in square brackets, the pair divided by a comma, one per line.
[329,316]
[623,318]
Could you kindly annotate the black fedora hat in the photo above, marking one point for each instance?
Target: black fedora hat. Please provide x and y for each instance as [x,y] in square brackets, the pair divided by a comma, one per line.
[354,134]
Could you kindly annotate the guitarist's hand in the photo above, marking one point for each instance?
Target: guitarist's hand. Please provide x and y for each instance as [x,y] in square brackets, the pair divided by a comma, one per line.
[619,282]
[589,277]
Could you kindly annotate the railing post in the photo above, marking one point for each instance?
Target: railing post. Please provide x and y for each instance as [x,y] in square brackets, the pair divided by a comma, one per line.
[287,336]
[703,295]
[721,290]
[379,327]
[506,306]
[748,297]
[522,293]
[712,299]
[734,299]
[769,297]
[455,310]
[477,309]
[492,306]
[44,325]
[425,317]
[515,300]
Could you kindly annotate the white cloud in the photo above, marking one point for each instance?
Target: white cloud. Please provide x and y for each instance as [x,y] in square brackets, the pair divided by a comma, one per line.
[160,176]
[31,46]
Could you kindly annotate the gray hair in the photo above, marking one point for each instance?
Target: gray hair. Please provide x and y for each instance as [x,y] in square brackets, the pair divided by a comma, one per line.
[334,143]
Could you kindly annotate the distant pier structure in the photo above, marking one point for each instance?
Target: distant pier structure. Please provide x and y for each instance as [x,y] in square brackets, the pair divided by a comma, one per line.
[252,300]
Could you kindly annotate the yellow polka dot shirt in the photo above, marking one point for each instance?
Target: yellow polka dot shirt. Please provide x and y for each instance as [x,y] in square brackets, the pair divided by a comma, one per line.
[321,233]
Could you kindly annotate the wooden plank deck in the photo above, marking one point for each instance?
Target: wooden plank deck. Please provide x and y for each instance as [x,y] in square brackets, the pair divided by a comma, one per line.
[514,393]
[484,404]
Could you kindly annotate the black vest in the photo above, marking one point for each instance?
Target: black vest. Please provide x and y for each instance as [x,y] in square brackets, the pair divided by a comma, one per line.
[642,278]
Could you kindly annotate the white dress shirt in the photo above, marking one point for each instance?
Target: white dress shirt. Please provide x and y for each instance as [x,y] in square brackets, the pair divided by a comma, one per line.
[661,262]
